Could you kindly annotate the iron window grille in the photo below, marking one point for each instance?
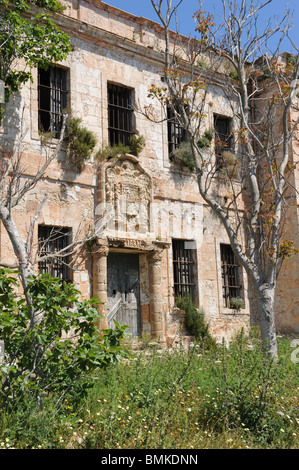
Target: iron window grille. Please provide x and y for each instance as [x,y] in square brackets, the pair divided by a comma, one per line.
[176,133]
[51,240]
[52,99]
[183,269]
[230,269]
[223,137]
[120,115]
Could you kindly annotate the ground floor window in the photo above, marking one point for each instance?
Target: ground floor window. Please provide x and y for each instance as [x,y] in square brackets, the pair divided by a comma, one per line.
[230,268]
[52,240]
[183,268]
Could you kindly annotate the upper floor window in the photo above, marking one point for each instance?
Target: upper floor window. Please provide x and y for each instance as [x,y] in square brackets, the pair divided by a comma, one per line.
[52,240]
[52,99]
[120,114]
[223,136]
[183,268]
[230,268]
[176,133]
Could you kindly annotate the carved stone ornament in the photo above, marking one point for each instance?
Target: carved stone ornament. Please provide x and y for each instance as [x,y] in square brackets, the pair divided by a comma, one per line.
[102,250]
[128,198]
[155,255]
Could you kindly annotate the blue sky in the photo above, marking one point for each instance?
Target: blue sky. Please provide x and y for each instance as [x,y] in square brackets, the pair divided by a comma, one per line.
[188,7]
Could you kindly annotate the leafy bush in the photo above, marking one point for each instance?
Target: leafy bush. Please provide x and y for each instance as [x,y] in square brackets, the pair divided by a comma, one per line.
[206,139]
[136,144]
[135,147]
[237,303]
[111,151]
[54,355]
[80,142]
[183,153]
[195,321]
[229,165]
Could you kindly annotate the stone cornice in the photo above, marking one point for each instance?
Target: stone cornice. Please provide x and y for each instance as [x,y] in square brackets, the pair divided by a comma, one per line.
[96,35]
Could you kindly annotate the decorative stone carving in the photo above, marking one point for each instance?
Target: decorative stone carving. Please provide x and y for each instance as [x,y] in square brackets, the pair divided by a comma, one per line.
[128,198]
[155,255]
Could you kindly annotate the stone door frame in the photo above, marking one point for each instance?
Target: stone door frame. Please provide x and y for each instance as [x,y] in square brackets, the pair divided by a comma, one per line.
[154,251]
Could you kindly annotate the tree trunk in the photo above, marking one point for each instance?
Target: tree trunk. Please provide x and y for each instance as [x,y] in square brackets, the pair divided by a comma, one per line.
[24,262]
[267,319]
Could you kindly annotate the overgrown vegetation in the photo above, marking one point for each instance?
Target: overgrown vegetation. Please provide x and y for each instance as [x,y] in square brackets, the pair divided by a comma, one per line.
[237,303]
[135,147]
[52,357]
[183,153]
[229,397]
[80,142]
[136,144]
[195,322]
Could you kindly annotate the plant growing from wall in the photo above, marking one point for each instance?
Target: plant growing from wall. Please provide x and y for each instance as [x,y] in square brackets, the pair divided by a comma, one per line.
[183,154]
[237,303]
[80,142]
[135,147]
[136,144]
[111,151]
[229,165]
[195,321]
[206,139]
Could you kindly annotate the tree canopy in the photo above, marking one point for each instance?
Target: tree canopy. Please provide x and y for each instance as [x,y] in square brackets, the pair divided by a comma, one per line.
[28,38]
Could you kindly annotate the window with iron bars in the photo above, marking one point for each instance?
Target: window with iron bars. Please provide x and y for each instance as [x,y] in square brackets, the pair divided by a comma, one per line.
[51,240]
[176,133]
[120,114]
[223,137]
[230,269]
[183,269]
[52,99]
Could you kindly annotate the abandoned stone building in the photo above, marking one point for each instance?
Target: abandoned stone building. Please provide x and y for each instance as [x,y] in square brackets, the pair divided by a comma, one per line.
[155,237]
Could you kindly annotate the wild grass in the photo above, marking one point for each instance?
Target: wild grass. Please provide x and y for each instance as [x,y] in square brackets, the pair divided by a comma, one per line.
[220,398]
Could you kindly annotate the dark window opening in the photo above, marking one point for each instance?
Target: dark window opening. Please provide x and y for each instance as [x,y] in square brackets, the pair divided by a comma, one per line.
[52,99]
[120,115]
[230,269]
[223,137]
[176,133]
[183,269]
[51,240]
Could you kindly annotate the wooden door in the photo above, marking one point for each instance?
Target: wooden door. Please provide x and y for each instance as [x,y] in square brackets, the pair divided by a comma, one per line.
[123,291]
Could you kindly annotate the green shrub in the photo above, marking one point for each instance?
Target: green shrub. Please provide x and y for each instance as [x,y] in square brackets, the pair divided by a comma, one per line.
[206,139]
[54,355]
[195,321]
[136,144]
[112,151]
[135,147]
[183,153]
[80,142]
[237,303]
[234,74]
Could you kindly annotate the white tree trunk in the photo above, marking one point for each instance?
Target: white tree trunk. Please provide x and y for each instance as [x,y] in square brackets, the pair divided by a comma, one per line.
[19,246]
[265,295]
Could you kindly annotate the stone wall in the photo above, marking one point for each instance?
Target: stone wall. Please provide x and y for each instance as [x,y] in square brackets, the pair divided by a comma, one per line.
[161,199]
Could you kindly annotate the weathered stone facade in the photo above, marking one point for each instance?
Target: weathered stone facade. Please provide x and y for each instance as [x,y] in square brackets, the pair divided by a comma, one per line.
[137,205]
